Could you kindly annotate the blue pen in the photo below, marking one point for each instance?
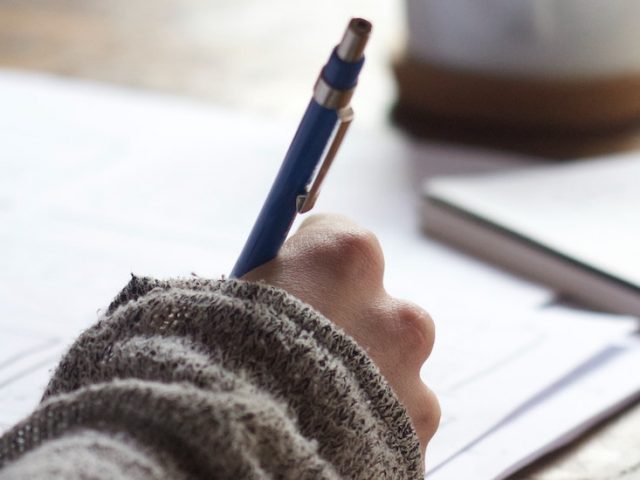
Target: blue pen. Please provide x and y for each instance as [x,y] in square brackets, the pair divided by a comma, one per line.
[319,135]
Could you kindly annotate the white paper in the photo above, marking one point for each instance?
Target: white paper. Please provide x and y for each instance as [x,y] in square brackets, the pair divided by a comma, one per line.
[489,365]
[605,387]
[102,182]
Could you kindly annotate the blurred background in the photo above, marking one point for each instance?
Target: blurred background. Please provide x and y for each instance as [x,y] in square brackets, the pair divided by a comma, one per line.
[248,55]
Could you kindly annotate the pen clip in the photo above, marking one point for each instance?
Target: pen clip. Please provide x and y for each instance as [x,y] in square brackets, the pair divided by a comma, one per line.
[306,201]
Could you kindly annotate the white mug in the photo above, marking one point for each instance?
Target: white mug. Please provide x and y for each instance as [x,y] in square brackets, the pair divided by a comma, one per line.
[535,38]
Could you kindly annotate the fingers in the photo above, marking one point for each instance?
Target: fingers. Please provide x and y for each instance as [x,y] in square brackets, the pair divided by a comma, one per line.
[425,413]
[336,244]
[399,337]
[331,263]
[400,333]
[410,336]
[415,330]
[337,267]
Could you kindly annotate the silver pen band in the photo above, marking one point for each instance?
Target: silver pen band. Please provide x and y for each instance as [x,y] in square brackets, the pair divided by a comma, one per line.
[330,97]
[351,48]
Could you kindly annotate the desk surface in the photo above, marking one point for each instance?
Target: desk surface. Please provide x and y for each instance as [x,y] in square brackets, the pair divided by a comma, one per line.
[207,50]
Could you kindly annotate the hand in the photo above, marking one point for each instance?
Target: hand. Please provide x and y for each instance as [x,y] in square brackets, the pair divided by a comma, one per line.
[337,267]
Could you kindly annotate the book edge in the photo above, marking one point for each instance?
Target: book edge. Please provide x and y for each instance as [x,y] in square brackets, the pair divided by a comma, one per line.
[498,245]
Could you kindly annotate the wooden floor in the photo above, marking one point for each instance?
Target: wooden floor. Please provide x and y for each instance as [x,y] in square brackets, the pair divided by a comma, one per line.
[262,56]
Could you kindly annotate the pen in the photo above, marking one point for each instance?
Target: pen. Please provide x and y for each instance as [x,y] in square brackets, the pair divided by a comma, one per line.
[319,135]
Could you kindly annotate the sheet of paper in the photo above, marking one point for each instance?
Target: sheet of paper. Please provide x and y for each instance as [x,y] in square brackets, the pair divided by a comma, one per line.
[103,182]
[26,358]
[490,357]
[21,392]
[603,386]
[535,356]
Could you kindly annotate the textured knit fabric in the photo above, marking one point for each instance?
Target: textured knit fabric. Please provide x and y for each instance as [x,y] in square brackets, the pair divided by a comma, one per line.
[212,379]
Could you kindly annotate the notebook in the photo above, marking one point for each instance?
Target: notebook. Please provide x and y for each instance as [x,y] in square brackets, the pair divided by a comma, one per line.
[574,227]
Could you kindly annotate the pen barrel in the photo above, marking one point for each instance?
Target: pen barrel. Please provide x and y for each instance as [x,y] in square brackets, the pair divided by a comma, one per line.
[279,210]
[328,107]
[340,74]
[344,65]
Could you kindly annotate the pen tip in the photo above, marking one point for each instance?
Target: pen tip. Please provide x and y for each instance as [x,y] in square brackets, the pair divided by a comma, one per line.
[360,26]
[351,48]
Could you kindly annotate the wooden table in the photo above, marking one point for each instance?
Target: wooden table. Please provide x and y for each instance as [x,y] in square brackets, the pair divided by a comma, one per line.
[257,55]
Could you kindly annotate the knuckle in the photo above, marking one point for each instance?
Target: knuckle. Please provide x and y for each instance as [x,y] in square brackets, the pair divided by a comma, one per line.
[354,243]
[427,419]
[418,330]
[353,251]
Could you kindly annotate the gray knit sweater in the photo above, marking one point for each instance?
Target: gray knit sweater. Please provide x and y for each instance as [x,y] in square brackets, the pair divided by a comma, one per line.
[212,379]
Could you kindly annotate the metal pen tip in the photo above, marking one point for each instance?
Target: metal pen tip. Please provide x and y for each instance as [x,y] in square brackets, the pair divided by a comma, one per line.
[351,47]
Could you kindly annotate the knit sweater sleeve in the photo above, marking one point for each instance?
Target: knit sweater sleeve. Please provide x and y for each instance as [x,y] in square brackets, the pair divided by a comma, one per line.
[218,379]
